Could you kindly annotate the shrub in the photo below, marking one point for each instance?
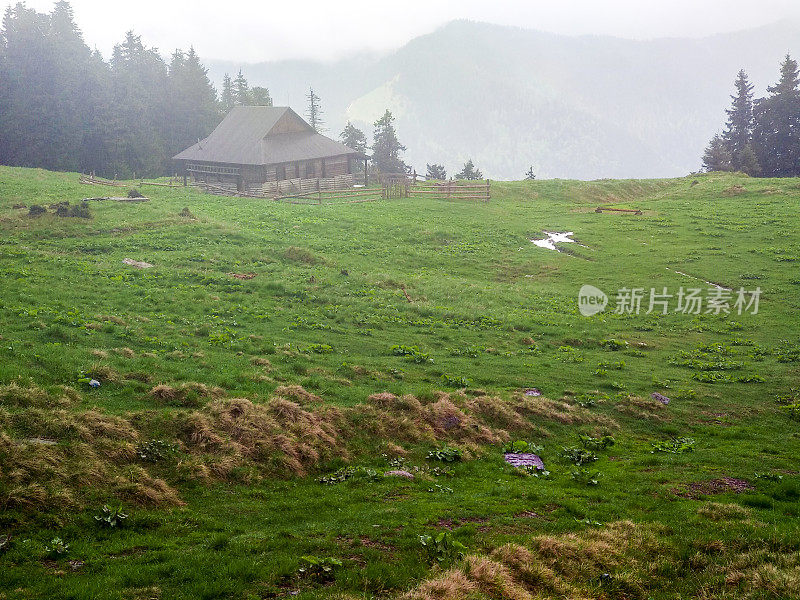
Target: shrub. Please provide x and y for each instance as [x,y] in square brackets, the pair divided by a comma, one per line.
[36,210]
[456,382]
[80,210]
[614,344]
[445,454]
[442,547]
[674,446]
[57,547]
[134,193]
[319,568]
[592,443]
[586,477]
[521,446]
[155,450]
[186,213]
[412,353]
[359,473]
[579,456]
[109,517]
[319,349]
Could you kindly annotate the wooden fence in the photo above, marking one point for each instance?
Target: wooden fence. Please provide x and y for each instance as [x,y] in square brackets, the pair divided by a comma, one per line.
[453,190]
[94,180]
[338,190]
[635,211]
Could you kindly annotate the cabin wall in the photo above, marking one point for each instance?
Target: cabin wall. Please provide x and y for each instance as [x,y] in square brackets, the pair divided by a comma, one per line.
[252,176]
[337,165]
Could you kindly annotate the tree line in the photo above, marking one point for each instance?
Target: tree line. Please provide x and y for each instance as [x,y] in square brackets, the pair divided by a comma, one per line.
[64,108]
[761,136]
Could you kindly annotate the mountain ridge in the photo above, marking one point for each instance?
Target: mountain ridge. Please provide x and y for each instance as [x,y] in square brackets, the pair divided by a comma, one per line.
[581,107]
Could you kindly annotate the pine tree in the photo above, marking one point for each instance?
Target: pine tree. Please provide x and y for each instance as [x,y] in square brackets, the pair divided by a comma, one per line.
[241,90]
[530,174]
[259,96]
[717,157]
[739,128]
[435,172]
[314,111]
[776,131]
[386,148]
[353,138]
[140,115]
[192,107]
[226,100]
[749,162]
[469,171]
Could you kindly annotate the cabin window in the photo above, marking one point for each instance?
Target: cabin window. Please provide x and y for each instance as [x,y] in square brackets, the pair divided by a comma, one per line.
[280,172]
[311,169]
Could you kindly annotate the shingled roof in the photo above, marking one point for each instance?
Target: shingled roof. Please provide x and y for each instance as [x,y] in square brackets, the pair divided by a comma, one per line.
[246,137]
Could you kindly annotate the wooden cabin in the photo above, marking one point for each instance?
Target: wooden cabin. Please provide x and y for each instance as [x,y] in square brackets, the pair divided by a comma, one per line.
[258,145]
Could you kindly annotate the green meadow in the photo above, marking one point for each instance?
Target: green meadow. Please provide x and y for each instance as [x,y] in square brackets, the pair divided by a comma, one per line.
[260,380]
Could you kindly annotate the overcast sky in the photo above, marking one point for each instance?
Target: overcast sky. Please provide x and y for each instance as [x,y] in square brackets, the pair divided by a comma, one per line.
[254,31]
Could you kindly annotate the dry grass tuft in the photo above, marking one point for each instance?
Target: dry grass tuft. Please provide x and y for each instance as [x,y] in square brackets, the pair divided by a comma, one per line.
[718,511]
[24,396]
[261,362]
[187,394]
[451,585]
[139,487]
[125,351]
[298,394]
[65,454]
[103,373]
[642,408]
[301,255]
[111,319]
[564,566]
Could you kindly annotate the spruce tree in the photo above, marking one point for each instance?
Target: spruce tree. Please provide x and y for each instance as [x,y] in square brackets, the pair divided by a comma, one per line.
[386,148]
[226,100]
[353,138]
[192,107]
[314,111]
[259,96]
[739,128]
[140,115]
[436,172]
[717,157]
[469,171]
[776,131]
[241,90]
[530,174]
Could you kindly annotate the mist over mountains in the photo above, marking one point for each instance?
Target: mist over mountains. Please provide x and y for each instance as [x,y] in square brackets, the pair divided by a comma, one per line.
[575,107]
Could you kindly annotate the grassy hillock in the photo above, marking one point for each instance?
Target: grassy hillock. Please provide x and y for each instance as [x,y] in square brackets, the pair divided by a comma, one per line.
[258,382]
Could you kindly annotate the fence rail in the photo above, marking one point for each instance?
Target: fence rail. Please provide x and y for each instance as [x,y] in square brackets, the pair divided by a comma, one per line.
[339,190]
[635,211]
[94,180]
[453,190]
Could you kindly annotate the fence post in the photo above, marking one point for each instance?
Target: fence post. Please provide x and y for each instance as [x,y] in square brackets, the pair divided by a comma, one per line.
[319,193]
[487,191]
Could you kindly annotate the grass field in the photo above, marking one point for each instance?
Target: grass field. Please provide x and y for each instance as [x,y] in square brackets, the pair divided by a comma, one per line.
[397,336]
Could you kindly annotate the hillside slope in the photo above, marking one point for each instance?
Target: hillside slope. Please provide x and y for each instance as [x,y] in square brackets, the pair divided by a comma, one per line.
[295,388]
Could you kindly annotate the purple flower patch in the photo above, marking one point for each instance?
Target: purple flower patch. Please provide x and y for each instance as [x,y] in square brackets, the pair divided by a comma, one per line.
[532,392]
[524,459]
